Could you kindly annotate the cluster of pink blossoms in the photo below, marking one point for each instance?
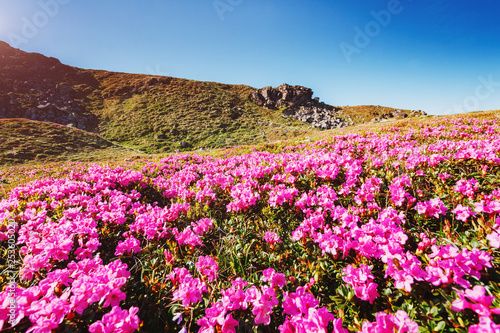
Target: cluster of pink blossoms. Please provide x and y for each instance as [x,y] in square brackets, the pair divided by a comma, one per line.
[188,290]
[272,237]
[449,264]
[336,188]
[303,314]
[476,300]
[262,302]
[117,320]
[361,280]
[388,323]
[300,307]
[434,207]
[462,213]
[207,267]
[398,192]
[244,196]
[90,282]
[281,194]
[129,245]
[467,187]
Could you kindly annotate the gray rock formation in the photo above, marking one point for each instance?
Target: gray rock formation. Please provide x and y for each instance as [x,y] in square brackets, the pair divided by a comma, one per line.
[399,114]
[282,96]
[53,109]
[36,87]
[296,102]
[418,113]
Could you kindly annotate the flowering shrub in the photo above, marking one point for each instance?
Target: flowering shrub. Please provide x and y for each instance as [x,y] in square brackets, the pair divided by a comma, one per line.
[361,280]
[389,232]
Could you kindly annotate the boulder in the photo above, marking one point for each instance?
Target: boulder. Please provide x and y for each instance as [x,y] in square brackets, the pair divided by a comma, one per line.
[418,113]
[282,96]
[398,114]
[64,89]
[297,103]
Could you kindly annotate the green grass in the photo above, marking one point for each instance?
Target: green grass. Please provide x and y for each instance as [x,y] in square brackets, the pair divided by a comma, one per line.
[26,141]
[162,114]
[153,114]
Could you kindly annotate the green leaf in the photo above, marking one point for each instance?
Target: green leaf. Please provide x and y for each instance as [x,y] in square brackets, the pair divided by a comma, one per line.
[440,326]
[434,311]
[387,292]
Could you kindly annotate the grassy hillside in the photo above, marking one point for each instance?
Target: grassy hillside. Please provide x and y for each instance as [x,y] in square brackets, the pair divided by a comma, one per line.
[26,141]
[164,114]
[154,114]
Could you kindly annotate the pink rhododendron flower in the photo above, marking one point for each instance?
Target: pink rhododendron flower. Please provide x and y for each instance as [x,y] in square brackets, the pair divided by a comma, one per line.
[476,300]
[390,323]
[263,301]
[244,196]
[494,238]
[444,176]
[449,264]
[425,243]
[187,237]
[276,279]
[229,324]
[281,194]
[188,290]
[311,283]
[303,314]
[486,325]
[487,206]
[169,257]
[271,237]
[117,320]
[467,187]
[130,245]
[239,283]
[361,280]
[208,267]
[202,226]
[433,207]
[368,190]
[298,302]
[234,298]
[462,213]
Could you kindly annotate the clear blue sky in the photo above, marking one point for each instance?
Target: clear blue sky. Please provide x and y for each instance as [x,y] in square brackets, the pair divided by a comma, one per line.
[438,56]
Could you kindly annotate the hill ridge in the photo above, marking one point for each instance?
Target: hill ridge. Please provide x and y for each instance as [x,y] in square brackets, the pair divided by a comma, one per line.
[160,113]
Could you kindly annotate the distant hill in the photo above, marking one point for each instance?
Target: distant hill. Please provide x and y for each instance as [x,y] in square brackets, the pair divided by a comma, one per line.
[23,140]
[158,114]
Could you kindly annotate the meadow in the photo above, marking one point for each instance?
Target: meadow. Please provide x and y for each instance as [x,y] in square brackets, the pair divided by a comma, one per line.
[393,229]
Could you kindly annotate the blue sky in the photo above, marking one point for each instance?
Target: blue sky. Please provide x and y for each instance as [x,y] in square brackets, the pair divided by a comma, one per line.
[438,56]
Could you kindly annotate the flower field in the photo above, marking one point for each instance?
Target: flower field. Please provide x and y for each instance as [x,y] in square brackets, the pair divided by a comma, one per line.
[395,231]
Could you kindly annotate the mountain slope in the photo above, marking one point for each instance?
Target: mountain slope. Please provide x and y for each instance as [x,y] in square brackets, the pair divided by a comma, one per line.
[157,113]
[160,114]
[23,141]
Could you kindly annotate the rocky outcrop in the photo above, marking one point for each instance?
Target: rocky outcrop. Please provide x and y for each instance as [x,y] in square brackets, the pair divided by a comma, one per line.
[399,114]
[151,112]
[296,102]
[283,96]
[47,107]
[36,87]
[418,113]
